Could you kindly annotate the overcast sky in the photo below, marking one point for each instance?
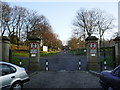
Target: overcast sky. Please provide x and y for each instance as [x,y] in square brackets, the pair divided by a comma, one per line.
[62,14]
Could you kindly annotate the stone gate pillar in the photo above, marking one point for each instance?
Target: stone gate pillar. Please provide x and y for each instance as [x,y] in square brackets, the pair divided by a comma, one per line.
[92,54]
[4,48]
[117,50]
[34,54]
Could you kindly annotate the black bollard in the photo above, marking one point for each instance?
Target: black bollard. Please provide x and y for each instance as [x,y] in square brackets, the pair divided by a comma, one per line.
[46,63]
[79,64]
[20,62]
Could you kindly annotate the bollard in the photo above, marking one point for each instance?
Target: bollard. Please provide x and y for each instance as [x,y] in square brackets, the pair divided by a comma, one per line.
[79,64]
[46,63]
[105,65]
[20,62]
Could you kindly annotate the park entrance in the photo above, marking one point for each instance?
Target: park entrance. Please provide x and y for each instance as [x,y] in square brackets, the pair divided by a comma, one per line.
[63,61]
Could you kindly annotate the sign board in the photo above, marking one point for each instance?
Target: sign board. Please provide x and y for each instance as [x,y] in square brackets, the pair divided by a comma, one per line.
[93,51]
[45,48]
[33,45]
[92,54]
[93,45]
[33,55]
[33,51]
[93,48]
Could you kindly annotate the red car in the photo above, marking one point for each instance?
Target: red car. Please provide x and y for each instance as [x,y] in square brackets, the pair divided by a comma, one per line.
[110,80]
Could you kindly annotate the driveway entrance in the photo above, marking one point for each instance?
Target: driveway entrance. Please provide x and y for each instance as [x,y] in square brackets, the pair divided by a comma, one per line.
[64,61]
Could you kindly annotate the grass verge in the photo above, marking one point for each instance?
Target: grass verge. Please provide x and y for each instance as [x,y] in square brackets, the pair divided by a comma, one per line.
[77,52]
[20,54]
[25,54]
[16,61]
[48,53]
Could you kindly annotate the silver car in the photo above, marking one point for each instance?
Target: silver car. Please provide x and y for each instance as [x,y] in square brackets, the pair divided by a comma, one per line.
[12,76]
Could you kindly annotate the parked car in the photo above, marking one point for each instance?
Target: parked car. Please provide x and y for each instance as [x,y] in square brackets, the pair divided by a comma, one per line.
[110,80]
[12,76]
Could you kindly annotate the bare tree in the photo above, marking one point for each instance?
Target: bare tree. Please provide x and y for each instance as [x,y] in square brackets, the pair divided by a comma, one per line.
[29,22]
[86,21]
[6,14]
[93,21]
[104,23]
[12,20]
[18,17]
[33,21]
[19,23]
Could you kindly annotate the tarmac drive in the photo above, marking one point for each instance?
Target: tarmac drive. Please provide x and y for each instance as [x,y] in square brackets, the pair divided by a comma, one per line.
[63,79]
[63,61]
[63,73]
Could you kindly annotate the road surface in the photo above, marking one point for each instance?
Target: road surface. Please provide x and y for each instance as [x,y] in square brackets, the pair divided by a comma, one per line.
[63,79]
[63,73]
[63,61]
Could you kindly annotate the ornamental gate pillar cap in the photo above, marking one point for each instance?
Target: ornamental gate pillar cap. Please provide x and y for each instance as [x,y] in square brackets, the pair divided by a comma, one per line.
[91,38]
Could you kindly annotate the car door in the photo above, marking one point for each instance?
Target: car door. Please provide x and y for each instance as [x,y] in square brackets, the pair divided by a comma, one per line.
[7,74]
[116,78]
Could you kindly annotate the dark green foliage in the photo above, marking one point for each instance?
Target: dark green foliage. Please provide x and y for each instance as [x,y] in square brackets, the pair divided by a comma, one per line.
[78,52]
[16,61]
[109,60]
[14,39]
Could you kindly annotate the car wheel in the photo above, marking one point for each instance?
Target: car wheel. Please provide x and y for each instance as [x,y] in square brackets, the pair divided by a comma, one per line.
[16,86]
[110,88]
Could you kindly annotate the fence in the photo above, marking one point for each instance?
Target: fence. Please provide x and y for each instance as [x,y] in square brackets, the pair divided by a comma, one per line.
[108,54]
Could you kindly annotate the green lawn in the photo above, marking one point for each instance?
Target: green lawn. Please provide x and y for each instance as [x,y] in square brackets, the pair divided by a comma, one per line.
[77,52]
[47,53]
[20,54]
[27,54]
[16,61]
